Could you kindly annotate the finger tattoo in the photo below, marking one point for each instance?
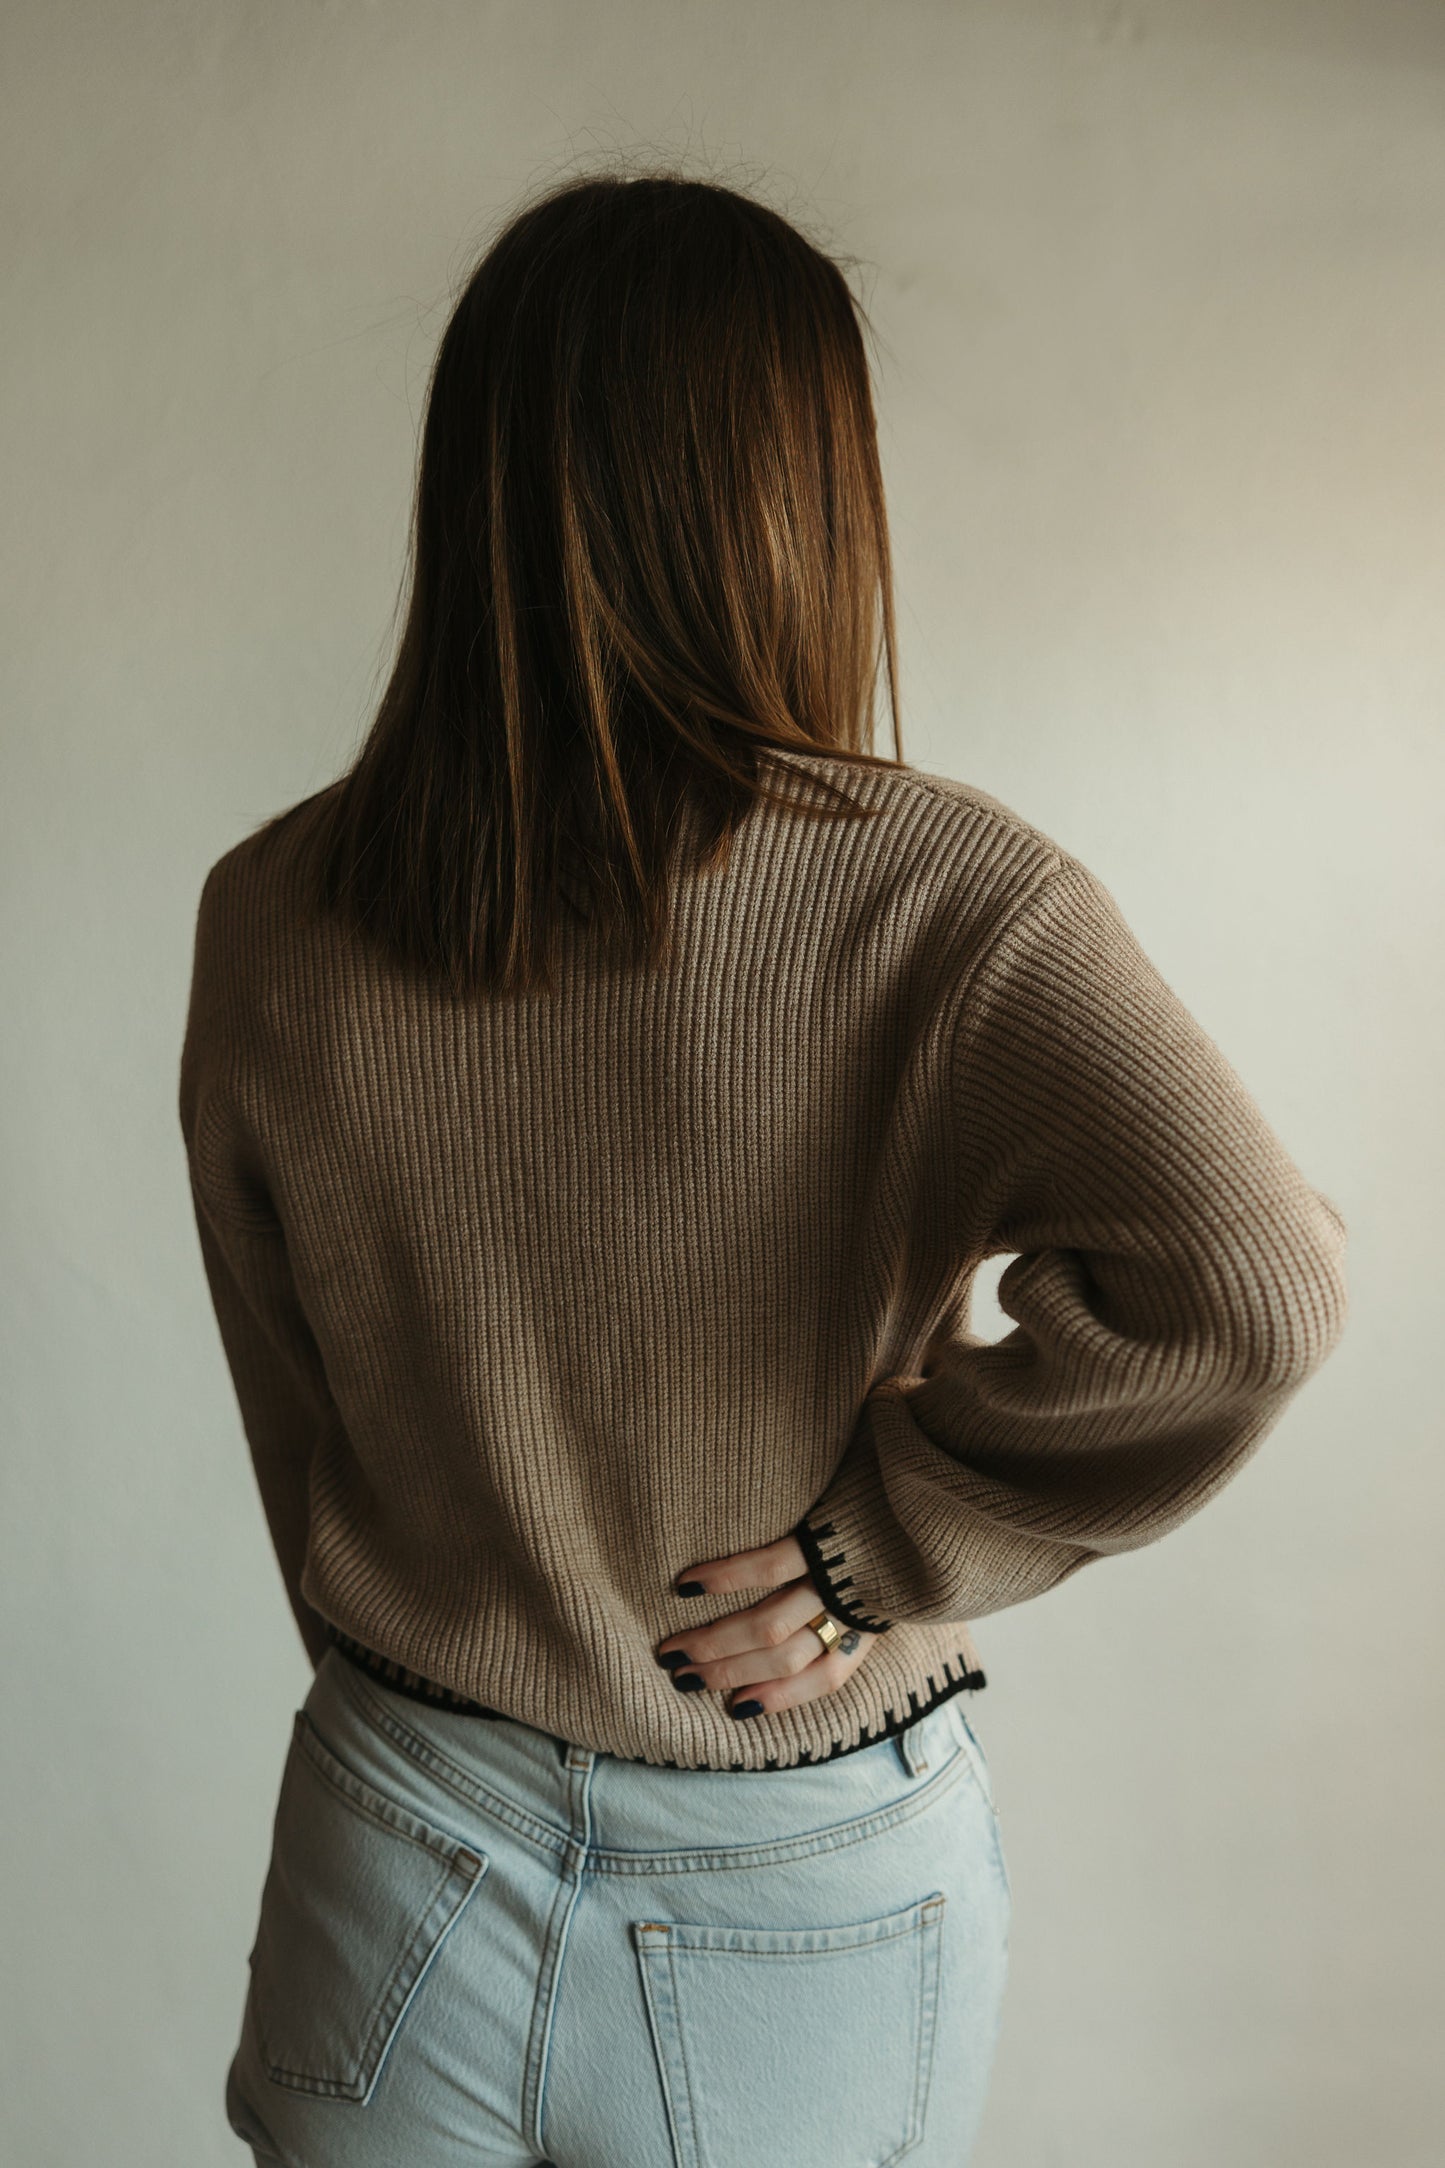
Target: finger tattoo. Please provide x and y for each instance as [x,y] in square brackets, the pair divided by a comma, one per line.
[849,1641]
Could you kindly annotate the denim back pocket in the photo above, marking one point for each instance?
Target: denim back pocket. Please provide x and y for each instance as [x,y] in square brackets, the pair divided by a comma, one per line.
[358,1896]
[742,2018]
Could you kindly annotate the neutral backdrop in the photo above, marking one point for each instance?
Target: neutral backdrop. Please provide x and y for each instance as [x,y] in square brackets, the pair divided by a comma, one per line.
[1161,317]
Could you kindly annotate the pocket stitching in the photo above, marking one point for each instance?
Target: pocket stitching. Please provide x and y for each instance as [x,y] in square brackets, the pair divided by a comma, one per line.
[461,1865]
[924,1918]
[381,2021]
[388,1814]
[689,1934]
[858,1829]
[930,1968]
[836,1837]
[551,1842]
[682,2054]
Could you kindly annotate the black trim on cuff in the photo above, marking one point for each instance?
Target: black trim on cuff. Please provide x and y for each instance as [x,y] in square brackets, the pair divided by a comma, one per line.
[820,1567]
[894,1721]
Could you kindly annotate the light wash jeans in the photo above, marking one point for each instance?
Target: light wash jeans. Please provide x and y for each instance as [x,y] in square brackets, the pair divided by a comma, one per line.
[479,1947]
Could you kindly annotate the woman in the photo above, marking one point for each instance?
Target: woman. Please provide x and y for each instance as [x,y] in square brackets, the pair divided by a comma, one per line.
[597,1104]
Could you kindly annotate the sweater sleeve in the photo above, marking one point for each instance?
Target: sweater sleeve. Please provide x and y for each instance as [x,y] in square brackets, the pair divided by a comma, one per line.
[1176,1280]
[280,1390]
[275,1365]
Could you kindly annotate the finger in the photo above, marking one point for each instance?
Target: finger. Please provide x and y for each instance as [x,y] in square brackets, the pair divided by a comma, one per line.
[764,1625]
[823,1676]
[750,1667]
[769,1566]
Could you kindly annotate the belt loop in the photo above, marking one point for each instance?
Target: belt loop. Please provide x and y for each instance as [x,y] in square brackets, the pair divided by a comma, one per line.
[912,1751]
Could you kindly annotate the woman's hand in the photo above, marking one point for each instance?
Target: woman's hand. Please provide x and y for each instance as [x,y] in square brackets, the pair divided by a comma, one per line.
[769,1650]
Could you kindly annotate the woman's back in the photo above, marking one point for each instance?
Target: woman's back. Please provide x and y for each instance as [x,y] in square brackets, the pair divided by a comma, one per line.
[592,1147]
[533,1299]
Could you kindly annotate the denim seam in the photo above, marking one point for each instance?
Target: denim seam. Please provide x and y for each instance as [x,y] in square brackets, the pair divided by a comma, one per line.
[451,1891]
[566,1897]
[677,1933]
[550,1839]
[974,1746]
[382,2021]
[930,1957]
[680,2131]
[682,2056]
[365,1799]
[554,1840]
[839,1837]
[924,1922]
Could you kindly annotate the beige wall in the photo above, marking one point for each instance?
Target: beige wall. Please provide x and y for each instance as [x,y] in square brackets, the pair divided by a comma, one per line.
[1161,287]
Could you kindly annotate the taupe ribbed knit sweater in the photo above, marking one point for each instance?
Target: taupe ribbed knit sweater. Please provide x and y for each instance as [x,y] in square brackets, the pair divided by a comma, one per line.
[529,1304]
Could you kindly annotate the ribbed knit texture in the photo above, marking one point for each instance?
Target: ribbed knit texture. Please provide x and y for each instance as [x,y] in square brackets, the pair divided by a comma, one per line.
[532,1302]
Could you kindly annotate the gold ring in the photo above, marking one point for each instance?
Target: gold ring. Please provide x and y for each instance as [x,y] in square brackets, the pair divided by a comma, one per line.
[826,1629]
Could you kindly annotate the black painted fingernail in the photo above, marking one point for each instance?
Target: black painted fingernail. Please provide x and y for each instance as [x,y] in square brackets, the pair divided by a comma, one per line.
[671,1658]
[746,1708]
[691,1588]
[688,1682]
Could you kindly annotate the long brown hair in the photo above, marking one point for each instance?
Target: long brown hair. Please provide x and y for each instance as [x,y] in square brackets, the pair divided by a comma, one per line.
[649,544]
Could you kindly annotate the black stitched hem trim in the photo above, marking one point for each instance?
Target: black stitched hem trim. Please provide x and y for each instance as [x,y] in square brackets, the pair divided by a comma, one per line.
[402,1680]
[895,1720]
[820,1565]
